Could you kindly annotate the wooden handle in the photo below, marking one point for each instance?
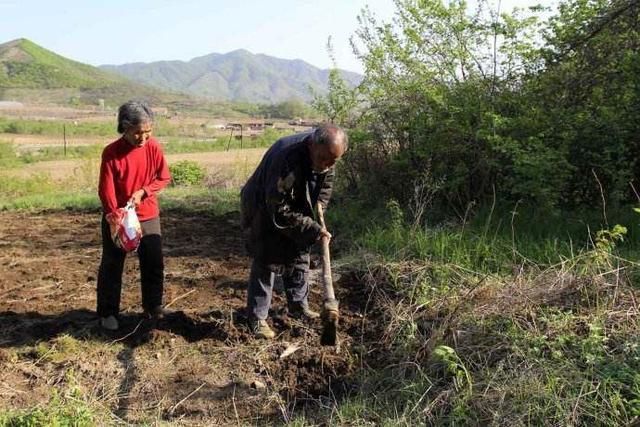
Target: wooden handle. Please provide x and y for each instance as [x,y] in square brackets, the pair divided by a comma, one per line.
[326,261]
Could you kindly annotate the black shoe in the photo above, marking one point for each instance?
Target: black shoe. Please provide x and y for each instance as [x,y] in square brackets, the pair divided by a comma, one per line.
[157,313]
[110,323]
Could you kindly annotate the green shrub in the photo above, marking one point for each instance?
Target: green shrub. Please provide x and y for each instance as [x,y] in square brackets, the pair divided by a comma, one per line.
[186,172]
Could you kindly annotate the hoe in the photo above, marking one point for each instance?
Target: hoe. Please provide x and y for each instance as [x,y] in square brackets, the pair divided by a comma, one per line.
[330,306]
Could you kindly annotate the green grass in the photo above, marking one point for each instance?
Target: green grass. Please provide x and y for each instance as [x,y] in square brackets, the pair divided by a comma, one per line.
[217,201]
[78,128]
[67,406]
[79,189]
[504,320]
[42,184]
[163,129]
[54,415]
[42,193]
[489,242]
[9,156]
[59,153]
[55,127]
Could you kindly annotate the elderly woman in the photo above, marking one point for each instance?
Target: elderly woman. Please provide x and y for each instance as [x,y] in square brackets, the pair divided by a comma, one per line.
[133,170]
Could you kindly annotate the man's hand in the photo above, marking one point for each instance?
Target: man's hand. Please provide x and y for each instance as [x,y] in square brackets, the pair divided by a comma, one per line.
[136,198]
[324,234]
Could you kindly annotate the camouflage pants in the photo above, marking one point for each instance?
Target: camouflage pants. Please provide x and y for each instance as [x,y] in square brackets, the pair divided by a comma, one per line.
[295,278]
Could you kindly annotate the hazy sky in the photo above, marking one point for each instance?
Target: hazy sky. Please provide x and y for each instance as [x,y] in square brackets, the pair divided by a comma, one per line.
[118,31]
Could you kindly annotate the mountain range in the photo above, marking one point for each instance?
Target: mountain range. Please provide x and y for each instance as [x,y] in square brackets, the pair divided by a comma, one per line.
[28,70]
[235,76]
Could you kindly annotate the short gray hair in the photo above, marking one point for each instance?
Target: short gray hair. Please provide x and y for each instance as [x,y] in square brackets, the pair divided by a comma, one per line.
[330,134]
[132,113]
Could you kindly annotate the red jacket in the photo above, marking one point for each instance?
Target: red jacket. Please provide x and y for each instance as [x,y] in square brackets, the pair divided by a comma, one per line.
[126,169]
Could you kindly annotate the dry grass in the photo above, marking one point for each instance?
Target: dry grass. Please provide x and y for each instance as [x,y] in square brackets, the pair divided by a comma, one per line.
[557,345]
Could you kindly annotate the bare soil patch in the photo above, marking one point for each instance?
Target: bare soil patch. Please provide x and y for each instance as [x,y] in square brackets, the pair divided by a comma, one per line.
[198,366]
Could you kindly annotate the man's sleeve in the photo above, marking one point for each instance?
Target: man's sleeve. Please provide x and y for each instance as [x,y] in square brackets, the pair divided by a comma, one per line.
[162,174]
[279,197]
[327,188]
[106,187]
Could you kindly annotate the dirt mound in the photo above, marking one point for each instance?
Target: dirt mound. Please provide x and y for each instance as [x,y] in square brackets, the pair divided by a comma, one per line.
[198,364]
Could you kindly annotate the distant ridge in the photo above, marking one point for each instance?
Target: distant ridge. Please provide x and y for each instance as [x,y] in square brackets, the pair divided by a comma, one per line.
[235,76]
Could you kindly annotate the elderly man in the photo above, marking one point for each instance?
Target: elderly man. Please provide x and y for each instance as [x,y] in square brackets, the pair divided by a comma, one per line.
[134,170]
[278,204]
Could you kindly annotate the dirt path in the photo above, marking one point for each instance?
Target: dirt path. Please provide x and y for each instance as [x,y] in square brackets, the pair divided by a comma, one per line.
[29,142]
[212,161]
[200,365]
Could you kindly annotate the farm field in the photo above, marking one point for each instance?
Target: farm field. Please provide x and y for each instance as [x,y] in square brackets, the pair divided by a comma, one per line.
[485,222]
[199,365]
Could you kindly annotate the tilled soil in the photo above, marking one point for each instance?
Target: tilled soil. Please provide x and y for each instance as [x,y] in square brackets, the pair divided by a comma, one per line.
[197,366]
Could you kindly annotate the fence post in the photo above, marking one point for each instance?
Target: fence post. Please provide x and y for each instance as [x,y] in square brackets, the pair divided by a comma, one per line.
[230,136]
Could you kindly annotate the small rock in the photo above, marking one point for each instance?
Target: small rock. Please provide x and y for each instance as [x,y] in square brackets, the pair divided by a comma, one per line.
[291,348]
[258,385]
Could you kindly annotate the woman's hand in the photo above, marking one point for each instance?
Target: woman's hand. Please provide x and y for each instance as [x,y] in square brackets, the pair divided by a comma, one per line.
[112,221]
[136,198]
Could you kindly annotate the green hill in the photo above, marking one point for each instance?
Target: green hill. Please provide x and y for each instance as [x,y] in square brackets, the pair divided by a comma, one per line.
[29,72]
[235,76]
[24,64]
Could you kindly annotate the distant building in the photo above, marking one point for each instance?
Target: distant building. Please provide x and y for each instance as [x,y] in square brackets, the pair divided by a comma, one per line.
[218,126]
[304,122]
[234,126]
[255,126]
[250,127]
[160,111]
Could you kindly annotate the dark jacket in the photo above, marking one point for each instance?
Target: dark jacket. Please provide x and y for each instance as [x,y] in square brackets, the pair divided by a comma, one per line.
[277,202]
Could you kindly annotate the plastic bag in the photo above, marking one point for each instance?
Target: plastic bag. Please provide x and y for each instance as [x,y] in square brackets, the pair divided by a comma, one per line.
[128,232]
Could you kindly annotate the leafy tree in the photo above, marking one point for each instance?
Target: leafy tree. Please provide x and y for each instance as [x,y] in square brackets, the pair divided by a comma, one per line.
[289,109]
[339,104]
[590,91]
[473,101]
[438,83]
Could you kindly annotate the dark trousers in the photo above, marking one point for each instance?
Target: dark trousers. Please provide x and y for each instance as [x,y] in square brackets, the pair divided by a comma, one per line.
[112,265]
[295,278]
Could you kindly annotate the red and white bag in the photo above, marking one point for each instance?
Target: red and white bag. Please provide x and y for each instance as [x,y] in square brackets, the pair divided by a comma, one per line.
[127,232]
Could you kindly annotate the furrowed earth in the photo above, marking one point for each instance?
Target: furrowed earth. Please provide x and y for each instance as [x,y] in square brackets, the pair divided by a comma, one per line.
[199,365]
